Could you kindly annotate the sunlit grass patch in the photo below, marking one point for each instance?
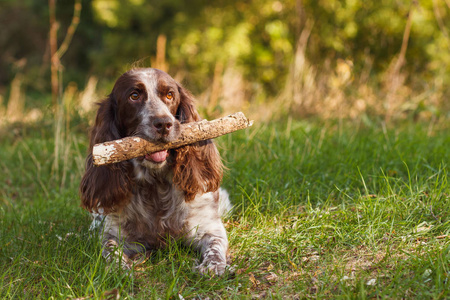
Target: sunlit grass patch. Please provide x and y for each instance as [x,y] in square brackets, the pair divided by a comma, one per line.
[322,209]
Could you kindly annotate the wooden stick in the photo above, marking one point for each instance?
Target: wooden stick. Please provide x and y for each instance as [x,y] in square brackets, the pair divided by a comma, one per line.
[132,147]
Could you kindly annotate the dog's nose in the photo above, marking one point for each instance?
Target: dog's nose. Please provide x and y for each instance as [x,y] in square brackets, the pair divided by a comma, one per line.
[163,125]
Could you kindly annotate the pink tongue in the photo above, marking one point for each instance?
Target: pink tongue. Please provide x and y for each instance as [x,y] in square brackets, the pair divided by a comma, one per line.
[157,156]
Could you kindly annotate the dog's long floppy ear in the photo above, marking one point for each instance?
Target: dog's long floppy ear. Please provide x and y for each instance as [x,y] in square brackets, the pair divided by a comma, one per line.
[106,187]
[198,167]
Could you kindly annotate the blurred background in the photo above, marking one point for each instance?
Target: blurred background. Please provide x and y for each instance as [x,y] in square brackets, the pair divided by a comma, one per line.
[351,59]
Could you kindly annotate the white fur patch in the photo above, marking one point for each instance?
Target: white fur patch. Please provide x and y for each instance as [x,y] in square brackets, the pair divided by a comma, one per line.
[225,206]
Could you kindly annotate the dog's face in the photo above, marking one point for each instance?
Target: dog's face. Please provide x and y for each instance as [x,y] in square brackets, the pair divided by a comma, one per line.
[150,104]
[147,106]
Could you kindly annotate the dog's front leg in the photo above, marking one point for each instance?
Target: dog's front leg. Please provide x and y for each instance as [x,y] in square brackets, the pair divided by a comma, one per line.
[210,239]
[207,233]
[116,249]
[214,250]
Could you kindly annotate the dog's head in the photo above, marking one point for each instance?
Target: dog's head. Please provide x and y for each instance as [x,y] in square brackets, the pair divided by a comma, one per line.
[150,104]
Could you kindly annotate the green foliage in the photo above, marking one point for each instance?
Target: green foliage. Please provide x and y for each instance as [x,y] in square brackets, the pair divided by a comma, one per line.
[258,38]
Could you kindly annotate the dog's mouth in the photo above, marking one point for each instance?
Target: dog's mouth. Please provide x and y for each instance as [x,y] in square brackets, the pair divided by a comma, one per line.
[157,157]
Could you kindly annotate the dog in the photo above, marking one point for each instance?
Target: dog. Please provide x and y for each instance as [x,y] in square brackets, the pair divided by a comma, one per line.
[170,194]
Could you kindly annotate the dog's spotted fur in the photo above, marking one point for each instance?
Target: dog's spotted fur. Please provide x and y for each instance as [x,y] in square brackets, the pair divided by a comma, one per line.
[145,201]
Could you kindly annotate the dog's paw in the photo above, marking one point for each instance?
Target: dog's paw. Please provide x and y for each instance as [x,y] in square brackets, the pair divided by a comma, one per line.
[114,255]
[212,267]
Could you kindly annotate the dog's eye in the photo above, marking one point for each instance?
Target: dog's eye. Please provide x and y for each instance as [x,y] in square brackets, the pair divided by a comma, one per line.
[134,96]
[169,96]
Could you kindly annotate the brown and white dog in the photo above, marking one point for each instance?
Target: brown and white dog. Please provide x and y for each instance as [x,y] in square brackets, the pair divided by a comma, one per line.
[168,194]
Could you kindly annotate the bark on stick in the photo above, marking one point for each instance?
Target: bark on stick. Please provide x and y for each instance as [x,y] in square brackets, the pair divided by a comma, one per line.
[132,147]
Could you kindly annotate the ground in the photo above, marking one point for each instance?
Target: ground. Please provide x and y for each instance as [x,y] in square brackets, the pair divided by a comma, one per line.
[323,209]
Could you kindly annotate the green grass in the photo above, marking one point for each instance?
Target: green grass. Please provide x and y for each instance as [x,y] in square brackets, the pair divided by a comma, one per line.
[322,210]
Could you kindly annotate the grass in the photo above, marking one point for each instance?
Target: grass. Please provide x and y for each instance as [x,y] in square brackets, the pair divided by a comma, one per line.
[322,210]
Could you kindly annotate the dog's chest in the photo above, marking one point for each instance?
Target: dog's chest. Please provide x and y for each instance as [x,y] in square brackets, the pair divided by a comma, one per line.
[154,213]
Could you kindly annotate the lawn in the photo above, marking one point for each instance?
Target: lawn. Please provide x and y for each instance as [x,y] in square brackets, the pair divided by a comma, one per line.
[323,209]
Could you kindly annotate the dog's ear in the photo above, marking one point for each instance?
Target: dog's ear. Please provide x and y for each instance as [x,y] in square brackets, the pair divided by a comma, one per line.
[198,167]
[106,187]
[186,112]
